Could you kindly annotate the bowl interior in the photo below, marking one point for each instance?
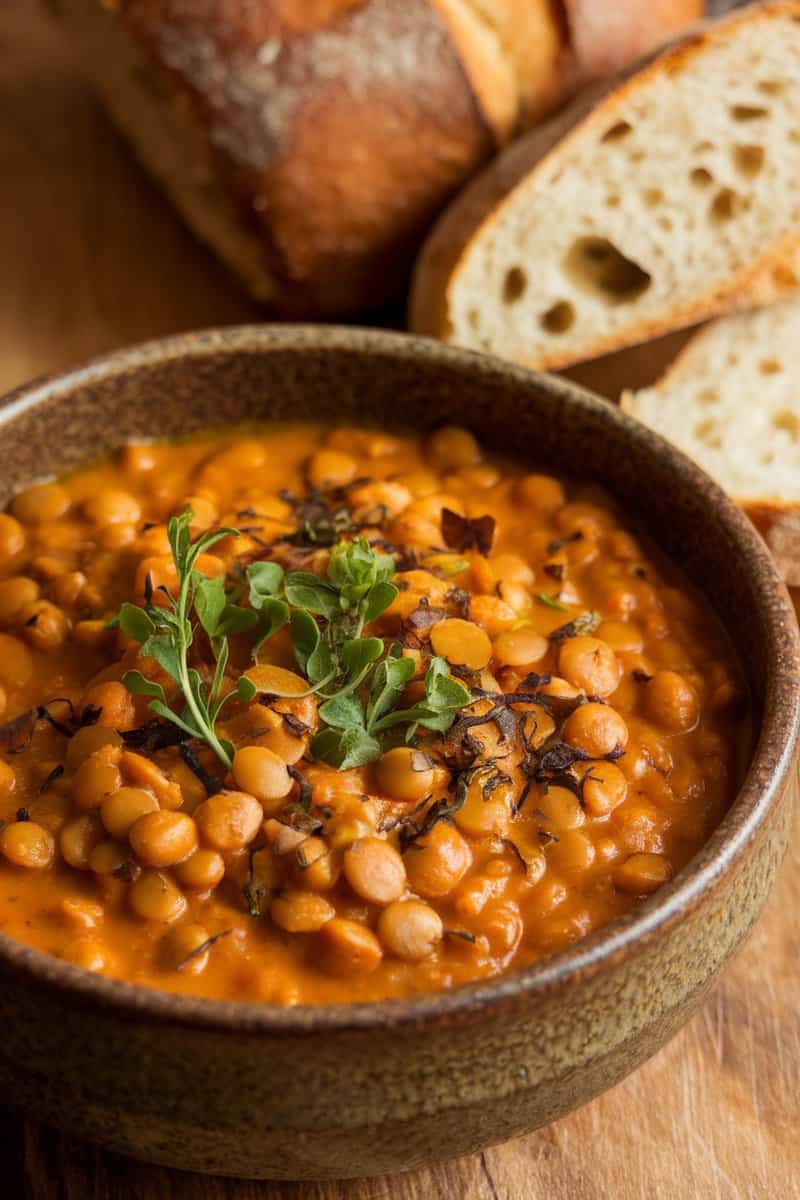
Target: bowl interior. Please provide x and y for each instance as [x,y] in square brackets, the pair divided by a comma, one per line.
[349,376]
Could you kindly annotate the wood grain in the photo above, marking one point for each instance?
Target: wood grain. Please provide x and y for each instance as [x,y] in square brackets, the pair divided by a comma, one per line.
[91,258]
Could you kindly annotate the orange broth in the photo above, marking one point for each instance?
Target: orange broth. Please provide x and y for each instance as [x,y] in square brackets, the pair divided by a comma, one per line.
[616,720]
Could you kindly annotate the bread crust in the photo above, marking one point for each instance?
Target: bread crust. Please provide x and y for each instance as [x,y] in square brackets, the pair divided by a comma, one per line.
[448,246]
[329,133]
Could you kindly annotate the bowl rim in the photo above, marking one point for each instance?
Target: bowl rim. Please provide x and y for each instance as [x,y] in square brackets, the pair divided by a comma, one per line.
[772,758]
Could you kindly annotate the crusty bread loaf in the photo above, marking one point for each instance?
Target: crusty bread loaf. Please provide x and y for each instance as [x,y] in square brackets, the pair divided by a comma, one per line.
[731,400]
[311,142]
[647,206]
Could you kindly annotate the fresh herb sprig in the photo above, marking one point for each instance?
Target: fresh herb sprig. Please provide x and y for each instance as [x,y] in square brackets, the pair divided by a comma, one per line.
[167,633]
[358,681]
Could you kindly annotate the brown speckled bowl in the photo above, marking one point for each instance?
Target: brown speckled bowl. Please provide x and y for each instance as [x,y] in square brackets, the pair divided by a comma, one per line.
[256,1090]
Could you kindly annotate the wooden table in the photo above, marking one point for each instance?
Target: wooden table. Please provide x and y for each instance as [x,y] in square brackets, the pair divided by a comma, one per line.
[91,258]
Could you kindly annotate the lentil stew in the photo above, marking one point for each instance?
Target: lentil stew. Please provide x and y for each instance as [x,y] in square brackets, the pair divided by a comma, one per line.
[408,717]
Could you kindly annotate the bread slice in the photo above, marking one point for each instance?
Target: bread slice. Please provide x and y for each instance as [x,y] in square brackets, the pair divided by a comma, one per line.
[731,400]
[662,201]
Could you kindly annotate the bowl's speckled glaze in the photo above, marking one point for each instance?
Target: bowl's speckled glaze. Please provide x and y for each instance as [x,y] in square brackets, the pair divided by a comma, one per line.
[338,1091]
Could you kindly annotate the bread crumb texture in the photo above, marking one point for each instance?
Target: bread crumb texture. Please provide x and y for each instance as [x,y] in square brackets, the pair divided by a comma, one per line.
[675,186]
[732,402]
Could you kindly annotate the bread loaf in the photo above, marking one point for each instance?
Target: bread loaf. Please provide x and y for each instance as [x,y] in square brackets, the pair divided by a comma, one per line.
[311,142]
[731,400]
[647,206]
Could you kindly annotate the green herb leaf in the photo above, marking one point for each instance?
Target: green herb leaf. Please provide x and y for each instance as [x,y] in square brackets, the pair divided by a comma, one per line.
[209,601]
[343,712]
[305,636]
[135,623]
[246,690]
[551,602]
[162,648]
[137,685]
[305,590]
[265,579]
[388,684]
[378,600]
[345,749]
[273,615]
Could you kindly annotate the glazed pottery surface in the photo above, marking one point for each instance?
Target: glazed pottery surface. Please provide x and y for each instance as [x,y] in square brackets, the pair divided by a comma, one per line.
[256,1090]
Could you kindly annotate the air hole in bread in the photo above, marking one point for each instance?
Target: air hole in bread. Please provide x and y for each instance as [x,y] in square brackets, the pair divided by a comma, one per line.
[788,422]
[769,366]
[598,266]
[771,87]
[725,204]
[707,431]
[703,147]
[474,319]
[748,112]
[617,131]
[613,201]
[665,223]
[708,397]
[652,197]
[767,458]
[514,284]
[701,177]
[559,318]
[636,156]
[749,159]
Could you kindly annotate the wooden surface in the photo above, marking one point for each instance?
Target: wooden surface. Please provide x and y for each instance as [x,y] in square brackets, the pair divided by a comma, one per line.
[90,258]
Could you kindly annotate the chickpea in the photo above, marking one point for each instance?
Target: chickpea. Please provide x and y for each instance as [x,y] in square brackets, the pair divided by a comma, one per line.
[573,852]
[410,929]
[45,626]
[27,844]
[375,870]
[510,568]
[154,897]
[163,838]
[348,948]
[451,448]
[561,809]
[387,496]
[92,633]
[16,664]
[540,492]
[590,665]
[183,948]
[461,643]
[300,912]
[405,774]
[12,538]
[520,647]
[16,594]
[315,866]
[642,873]
[110,506]
[142,772]
[201,871]
[138,457]
[119,810]
[78,839]
[43,502]
[604,787]
[501,925]
[331,469]
[153,573]
[96,777]
[493,614]
[117,710]
[267,728]
[671,701]
[229,821]
[87,741]
[485,813]
[437,862]
[107,857]
[597,729]
[263,774]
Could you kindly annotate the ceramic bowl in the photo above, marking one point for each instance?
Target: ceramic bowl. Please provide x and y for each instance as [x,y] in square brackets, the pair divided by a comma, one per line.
[256,1090]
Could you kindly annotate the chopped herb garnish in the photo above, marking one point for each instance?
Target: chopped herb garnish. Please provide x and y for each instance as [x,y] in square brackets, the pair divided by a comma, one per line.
[551,602]
[464,533]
